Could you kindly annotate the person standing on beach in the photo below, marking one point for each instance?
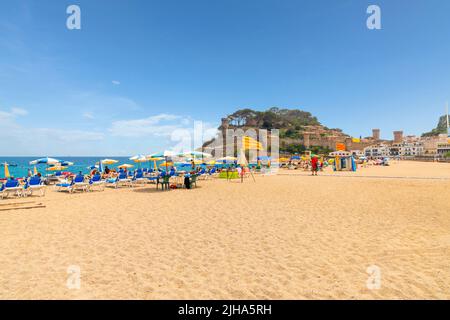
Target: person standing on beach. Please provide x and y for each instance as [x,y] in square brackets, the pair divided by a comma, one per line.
[314,165]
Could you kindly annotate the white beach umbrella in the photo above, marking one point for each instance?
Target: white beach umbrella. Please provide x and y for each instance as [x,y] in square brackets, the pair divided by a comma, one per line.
[46,161]
[139,158]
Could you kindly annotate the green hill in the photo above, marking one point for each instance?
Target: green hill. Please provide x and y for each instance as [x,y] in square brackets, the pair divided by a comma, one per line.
[441,128]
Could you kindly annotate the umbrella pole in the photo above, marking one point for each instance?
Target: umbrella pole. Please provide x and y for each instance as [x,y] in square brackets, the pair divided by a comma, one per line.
[166,165]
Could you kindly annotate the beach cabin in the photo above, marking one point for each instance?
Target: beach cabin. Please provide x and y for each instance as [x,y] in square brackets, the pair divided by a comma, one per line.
[343,161]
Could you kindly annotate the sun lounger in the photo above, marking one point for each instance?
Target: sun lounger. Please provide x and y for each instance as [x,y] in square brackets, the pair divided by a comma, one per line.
[11,187]
[77,183]
[121,180]
[33,185]
[80,184]
[139,178]
[97,182]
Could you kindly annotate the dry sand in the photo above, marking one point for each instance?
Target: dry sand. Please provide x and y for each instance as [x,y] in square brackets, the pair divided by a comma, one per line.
[290,236]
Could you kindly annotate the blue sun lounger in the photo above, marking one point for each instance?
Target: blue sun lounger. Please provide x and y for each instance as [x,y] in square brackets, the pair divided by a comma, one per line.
[34,184]
[96,181]
[11,187]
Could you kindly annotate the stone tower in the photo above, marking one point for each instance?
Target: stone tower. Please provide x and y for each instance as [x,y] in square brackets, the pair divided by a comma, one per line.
[376,134]
[398,136]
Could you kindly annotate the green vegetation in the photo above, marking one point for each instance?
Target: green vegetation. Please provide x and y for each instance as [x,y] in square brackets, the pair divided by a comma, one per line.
[320,150]
[447,155]
[274,118]
[292,148]
[441,128]
[299,148]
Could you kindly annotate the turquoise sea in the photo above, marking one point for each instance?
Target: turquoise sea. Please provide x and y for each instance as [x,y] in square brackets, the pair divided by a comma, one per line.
[18,166]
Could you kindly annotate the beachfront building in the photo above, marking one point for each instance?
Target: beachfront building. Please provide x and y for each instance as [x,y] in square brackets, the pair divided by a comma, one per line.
[377,151]
[430,144]
[443,148]
[407,149]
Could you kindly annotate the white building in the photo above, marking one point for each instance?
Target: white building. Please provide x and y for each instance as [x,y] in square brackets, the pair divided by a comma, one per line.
[377,151]
[407,149]
[404,149]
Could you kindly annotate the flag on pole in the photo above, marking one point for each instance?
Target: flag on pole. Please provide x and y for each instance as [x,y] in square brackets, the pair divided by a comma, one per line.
[248,143]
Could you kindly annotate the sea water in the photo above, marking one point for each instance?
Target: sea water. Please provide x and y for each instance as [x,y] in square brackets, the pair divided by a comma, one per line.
[82,164]
[18,166]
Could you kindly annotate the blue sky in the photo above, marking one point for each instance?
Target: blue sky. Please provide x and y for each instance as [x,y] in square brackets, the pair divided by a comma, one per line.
[138,70]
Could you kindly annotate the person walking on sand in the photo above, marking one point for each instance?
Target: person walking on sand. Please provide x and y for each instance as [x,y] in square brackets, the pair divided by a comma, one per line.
[314,165]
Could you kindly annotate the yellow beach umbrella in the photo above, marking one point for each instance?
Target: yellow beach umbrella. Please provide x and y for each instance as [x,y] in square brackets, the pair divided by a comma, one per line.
[109,161]
[196,161]
[35,171]
[126,165]
[7,175]
[56,168]
[166,164]
[154,159]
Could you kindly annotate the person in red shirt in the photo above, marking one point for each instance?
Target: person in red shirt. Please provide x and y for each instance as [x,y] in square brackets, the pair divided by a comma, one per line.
[314,165]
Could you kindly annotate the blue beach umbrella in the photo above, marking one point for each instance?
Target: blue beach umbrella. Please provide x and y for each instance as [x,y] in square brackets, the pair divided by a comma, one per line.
[47,161]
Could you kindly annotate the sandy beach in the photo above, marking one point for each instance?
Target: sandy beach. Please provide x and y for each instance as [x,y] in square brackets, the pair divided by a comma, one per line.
[289,236]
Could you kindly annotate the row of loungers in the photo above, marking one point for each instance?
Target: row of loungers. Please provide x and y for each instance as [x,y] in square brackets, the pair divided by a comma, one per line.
[33,186]
[80,183]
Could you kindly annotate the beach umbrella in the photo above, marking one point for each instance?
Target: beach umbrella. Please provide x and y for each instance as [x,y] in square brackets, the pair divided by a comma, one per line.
[227,159]
[126,165]
[7,175]
[165,154]
[57,168]
[166,164]
[295,158]
[66,163]
[139,158]
[108,161]
[47,161]
[100,167]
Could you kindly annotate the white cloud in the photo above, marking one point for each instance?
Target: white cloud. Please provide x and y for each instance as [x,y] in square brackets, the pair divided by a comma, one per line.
[12,113]
[159,125]
[19,112]
[21,140]
[167,128]
[115,82]
[88,115]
